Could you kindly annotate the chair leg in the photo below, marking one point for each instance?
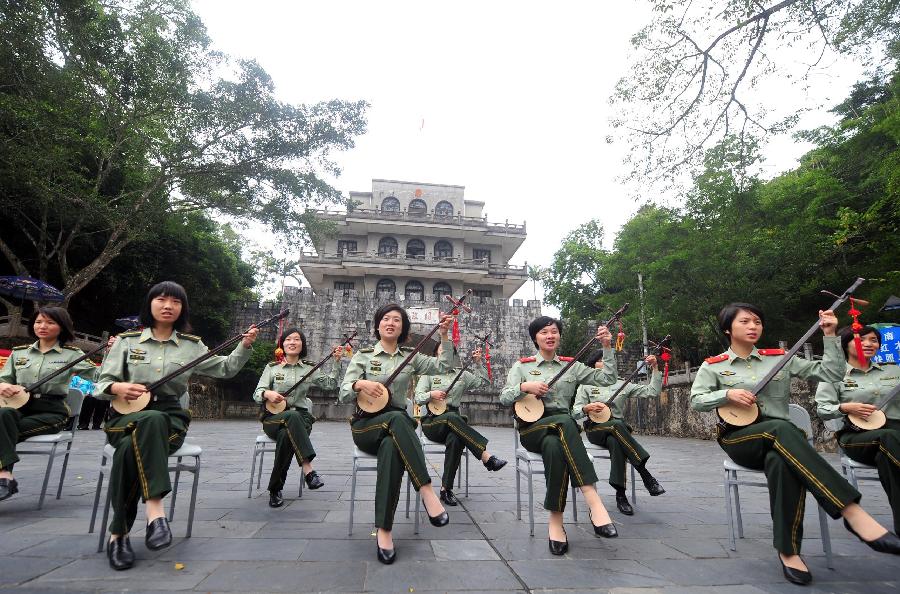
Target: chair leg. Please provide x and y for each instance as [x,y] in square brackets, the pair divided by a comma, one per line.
[104,522]
[175,489]
[728,512]
[352,496]
[530,500]
[633,488]
[50,458]
[851,476]
[737,507]
[467,474]
[408,487]
[826,537]
[252,471]
[302,478]
[262,455]
[196,472]
[518,491]
[418,500]
[62,474]
[574,505]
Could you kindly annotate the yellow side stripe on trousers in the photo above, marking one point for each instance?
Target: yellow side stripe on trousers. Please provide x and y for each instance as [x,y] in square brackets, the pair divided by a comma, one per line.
[145,487]
[798,520]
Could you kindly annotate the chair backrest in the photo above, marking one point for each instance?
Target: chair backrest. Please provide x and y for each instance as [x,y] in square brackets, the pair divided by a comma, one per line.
[834,424]
[74,398]
[800,418]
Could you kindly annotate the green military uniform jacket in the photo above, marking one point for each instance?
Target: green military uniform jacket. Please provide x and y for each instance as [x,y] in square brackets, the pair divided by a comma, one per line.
[375,364]
[589,394]
[727,371]
[138,358]
[281,376]
[468,381]
[27,364]
[868,387]
[537,369]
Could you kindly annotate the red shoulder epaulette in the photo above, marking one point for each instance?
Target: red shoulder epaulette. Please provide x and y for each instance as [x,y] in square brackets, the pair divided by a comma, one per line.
[770,352]
[527,360]
[566,359]
[717,358]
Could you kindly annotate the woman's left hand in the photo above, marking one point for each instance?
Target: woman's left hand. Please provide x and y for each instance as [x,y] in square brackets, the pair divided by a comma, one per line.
[828,322]
[446,322]
[337,352]
[604,336]
[250,336]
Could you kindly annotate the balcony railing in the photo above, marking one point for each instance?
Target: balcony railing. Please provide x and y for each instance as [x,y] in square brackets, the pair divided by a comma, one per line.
[423,217]
[455,262]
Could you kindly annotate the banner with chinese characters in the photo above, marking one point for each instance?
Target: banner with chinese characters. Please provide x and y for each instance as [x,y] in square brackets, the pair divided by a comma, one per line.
[424,315]
[890,345]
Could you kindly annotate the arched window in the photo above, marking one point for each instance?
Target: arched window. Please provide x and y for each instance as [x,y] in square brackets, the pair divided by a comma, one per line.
[443,209]
[440,289]
[415,248]
[415,291]
[387,246]
[443,249]
[418,207]
[390,204]
[386,287]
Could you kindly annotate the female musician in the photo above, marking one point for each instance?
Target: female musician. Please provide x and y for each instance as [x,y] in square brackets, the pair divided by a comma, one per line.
[144,439]
[864,384]
[391,433]
[46,412]
[773,444]
[451,428]
[615,434]
[555,435]
[290,428]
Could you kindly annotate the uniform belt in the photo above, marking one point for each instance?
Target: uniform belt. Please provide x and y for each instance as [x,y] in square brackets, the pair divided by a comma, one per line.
[49,396]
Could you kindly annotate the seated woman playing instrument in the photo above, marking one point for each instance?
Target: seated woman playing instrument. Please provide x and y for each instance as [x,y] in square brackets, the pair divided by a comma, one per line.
[555,435]
[864,384]
[451,428]
[773,444]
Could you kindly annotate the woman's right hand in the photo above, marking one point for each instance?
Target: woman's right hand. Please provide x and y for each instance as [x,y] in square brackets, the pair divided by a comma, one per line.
[273,396]
[539,389]
[858,408]
[7,390]
[438,395]
[741,397]
[593,407]
[367,388]
[128,391]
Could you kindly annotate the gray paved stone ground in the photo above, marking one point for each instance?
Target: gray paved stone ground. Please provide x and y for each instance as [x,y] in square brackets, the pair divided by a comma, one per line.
[676,543]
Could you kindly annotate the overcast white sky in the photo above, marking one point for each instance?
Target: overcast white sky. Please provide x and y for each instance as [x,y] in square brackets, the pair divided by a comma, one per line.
[514,97]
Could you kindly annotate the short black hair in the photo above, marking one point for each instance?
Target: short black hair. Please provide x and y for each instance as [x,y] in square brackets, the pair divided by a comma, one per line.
[290,331]
[438,345]
[729,313]
[541,322]
[61,317]
[169,289]
[595,356]
[383,311]
[846,335]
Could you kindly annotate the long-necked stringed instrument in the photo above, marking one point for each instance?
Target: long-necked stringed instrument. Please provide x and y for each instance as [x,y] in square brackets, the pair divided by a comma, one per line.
[738,415]
[370,405]
[530,408]
[19,400]
[604,415]
[439,407]
[123,405]
[877,419]
[277,407]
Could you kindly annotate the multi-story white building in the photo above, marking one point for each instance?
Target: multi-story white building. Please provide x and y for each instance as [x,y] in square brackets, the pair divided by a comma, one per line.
[414,239]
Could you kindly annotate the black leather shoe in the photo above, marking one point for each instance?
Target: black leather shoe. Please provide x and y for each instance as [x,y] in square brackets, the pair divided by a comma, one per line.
[653,486]
[158,536]
[623,504]
[82,427]
[386,556]
[559,547]
[314,481]
[449,498]
[494,463]
[795,576]
[96,427]
[120,554]
[889,543]
[275,499]
[442,519]
[8,488]
[606,531]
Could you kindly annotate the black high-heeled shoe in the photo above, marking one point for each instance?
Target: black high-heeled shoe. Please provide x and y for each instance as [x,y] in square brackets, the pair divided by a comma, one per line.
[795,576]
[386,556]
[120,553]
[604,531]
[442,519]
[888,543]
[559,547]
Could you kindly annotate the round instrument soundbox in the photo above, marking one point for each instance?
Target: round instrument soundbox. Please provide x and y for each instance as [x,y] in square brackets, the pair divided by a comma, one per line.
[123,406]
[376,404]
[876,420]
[600,416]
[437,407]
[529,408]
[17,401]
[738,415]
[276,407]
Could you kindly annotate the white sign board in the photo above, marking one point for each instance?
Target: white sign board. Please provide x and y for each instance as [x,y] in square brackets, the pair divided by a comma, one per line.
[424,315]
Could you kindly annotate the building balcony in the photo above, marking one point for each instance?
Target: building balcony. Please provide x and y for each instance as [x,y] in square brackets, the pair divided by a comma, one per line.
[419,264]
[422,218]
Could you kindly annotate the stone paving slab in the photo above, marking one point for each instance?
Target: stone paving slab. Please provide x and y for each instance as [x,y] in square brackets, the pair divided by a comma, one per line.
[674,544]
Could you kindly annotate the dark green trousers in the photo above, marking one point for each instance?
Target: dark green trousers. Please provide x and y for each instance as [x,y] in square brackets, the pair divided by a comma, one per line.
[879,448]
[615,436]
[392,437]
[140,466]
[556,438]
[453,430]
[792,467]
[37,417]
[290,430]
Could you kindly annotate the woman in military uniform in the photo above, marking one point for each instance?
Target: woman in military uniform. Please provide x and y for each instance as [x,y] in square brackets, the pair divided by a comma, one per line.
[555,435]
[44,413]
[290,428]
[615,435]
[773,444]
[451,428]
[864,384]
[144,439]
[391,433]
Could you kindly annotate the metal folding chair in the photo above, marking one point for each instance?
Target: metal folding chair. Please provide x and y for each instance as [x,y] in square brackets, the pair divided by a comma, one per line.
[265,444]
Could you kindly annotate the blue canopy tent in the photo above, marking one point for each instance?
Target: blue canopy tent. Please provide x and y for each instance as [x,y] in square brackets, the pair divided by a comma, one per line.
[25,287]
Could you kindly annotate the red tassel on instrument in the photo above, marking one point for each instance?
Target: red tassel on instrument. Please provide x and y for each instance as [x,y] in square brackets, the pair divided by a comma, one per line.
[620,338]
[456,336]
[665,356]
[487,360]
[856,327]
